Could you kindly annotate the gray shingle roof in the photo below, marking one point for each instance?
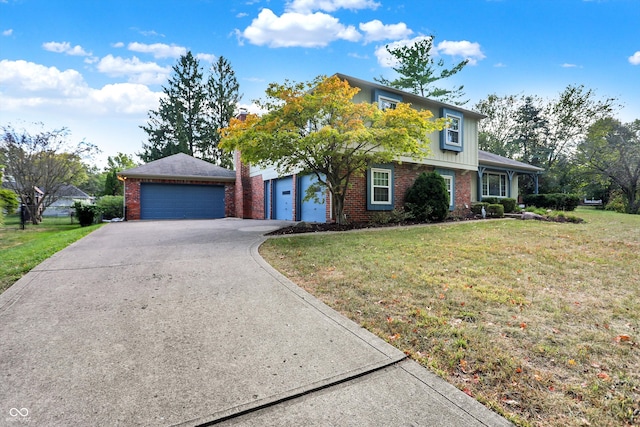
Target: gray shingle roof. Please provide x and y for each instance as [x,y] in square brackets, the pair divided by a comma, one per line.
[180,166]
[490,159]
[71,191]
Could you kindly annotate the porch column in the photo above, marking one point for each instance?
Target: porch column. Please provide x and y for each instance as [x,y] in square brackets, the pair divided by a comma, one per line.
[480,173]
[510,176]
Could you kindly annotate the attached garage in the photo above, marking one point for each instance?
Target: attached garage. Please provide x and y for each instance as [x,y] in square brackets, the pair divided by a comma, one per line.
[283,198]
[178,187]
[315,209]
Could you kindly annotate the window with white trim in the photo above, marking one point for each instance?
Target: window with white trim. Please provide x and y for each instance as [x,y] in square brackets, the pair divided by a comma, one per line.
[380,186]
[494,184]
[385,103]
[453,130]
[448,180]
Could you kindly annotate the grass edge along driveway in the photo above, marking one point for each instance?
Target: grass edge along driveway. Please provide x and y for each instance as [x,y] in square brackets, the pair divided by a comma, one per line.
[539,321]
[22,250]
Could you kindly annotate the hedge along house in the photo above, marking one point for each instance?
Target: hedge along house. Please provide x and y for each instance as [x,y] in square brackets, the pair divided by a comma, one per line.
[263,193]
[178,187]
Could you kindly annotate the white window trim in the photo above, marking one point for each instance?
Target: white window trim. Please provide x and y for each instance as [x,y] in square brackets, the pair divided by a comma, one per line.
[373,186]
[448,179]
[459,118]
[506,184]
[383,99]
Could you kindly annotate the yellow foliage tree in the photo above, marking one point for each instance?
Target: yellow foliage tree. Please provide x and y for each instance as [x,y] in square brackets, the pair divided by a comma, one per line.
[316,128]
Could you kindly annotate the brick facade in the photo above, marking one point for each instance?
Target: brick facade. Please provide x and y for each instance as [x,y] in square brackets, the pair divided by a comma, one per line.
[355,207]
[132,194]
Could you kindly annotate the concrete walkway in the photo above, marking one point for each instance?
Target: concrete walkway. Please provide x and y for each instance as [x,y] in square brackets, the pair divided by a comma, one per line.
[182,323]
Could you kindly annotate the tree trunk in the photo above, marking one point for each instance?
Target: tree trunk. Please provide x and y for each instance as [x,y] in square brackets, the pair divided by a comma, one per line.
[338,208]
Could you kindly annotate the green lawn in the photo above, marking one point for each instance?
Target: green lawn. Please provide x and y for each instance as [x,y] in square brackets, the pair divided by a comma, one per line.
[539,321]
[21,250]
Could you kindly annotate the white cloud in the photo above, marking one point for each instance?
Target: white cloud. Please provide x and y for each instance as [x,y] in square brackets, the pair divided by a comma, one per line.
[242,15]
[463,48]
[297,30]
[65,47]
[566,65]
[33,87]
[135,70]
[207,57]
[635,58]
[27,77]
[158,50]
[308,6]
[500,65]
[117,45]
[375,31]
[7,32]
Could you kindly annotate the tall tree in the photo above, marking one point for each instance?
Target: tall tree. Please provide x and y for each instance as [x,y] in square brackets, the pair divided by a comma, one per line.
[316,128]
[222,99]
[419,70]
[115,164]
[612,151]
[44,161]
[179,124]
[496,132]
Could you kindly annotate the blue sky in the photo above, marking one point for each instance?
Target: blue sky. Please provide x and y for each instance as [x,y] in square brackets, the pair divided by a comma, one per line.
[97,67]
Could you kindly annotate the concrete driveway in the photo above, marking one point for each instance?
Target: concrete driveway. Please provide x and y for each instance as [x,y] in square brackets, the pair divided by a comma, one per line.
[182,323]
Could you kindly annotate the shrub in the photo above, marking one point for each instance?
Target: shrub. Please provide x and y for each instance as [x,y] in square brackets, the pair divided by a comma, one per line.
[617,202]
[509,204]
[495,210]
[460,213]
[85,213]
[9,202]
[396,216]
[111,206]
[476,208]
[428,199]
[557,201]
[491,200]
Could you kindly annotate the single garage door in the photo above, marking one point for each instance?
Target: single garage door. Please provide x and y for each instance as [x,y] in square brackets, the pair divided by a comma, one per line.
[283,198]
[181,201]
[315,209]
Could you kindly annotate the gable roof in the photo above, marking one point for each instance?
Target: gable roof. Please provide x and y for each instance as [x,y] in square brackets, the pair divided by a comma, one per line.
[408,96]
[489,159]
[180,166]
[72,191]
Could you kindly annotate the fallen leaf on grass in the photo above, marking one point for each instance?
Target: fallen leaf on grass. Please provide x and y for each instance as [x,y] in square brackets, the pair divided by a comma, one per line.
[622,338]
[571,362]
[467,391]
[523,325]
[604,376]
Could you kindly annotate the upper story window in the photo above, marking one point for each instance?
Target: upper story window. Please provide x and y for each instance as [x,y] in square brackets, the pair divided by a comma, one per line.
[453,131]
[385,103]
[452,137]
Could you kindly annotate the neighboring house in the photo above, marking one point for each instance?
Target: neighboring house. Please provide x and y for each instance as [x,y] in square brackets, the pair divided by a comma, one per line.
[65,197]
[178,187]
[469,173]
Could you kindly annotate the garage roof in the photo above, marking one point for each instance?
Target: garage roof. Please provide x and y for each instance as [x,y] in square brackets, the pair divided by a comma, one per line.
[180,166]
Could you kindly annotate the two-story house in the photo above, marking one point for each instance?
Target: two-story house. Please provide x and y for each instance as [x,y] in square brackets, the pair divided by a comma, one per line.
[469,173]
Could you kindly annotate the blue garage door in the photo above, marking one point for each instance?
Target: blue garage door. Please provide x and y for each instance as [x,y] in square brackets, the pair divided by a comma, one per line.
[313,210]
[283,198]
[181,201]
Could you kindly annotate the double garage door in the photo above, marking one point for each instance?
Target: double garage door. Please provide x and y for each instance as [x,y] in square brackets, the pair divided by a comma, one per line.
[181,201]
[280,200]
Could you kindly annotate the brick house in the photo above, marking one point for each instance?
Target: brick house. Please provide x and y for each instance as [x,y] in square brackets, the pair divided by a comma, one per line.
[469,173]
